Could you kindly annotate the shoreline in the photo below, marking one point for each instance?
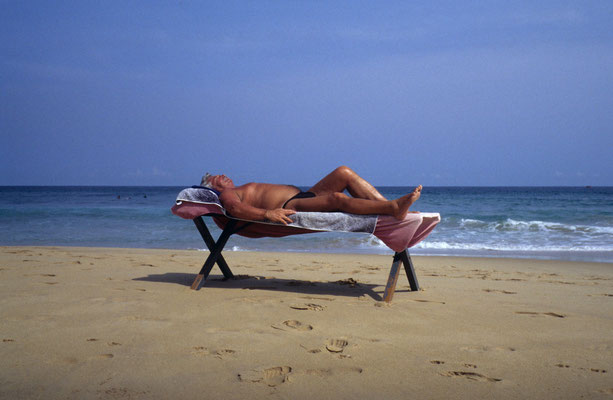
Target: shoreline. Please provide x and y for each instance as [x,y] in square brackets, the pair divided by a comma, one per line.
[84,322]
[421,253]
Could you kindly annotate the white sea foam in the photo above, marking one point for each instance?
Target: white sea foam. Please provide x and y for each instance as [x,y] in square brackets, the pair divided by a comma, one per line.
[372,241]
[437,245]
[530,226]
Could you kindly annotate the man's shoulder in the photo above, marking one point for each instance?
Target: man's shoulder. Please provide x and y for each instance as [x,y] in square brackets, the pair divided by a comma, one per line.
[228,193]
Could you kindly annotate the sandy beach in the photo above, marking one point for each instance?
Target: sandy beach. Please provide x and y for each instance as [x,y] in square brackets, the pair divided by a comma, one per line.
[98,323]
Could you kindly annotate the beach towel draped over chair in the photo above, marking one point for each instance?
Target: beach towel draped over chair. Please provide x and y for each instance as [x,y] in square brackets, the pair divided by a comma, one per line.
[193,203]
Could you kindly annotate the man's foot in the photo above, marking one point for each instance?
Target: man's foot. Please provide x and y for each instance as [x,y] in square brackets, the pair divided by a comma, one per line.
[405,202]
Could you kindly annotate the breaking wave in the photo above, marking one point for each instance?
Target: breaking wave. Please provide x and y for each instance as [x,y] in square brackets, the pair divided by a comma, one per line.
[513,248]
[511,225]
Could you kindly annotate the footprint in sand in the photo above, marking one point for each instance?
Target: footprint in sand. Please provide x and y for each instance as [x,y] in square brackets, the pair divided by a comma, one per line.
[473,376]
[297,325]
[224,352]
[319,372]
[325,372]
[349,281]
[483,349]
[532,313]
[201,351]
[499,291]
[294,325]
[122,393]
[428,301]
[314,351]
[270,376]
[597,370]
[204,351]
[276,375]
[308,306]
[318,298]
[18,252]
[336,345]
[438,362]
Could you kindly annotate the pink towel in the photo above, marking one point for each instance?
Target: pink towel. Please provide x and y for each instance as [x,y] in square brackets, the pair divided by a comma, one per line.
[400,235]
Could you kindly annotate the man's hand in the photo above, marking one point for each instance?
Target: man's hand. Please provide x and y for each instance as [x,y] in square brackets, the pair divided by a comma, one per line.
[279,215]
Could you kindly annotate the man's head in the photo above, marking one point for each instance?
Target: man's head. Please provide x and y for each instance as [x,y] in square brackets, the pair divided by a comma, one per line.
[217,182]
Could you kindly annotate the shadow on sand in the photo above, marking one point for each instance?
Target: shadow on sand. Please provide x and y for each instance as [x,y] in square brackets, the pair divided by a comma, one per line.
[347,287]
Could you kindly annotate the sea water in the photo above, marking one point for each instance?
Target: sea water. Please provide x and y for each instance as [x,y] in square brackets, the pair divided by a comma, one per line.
[564,223]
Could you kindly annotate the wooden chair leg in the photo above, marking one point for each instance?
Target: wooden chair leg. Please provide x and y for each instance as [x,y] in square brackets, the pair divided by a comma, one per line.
[404,258]
[390,288]
[214,255]
[210,244]
[408,268]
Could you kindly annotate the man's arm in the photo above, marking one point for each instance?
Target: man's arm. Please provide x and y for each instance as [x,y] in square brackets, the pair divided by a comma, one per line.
[239,209]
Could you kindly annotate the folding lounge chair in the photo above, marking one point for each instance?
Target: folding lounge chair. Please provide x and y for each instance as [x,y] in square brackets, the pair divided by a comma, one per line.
[196,202]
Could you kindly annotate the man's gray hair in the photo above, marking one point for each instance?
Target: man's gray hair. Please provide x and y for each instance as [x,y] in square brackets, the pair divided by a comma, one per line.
[206,181]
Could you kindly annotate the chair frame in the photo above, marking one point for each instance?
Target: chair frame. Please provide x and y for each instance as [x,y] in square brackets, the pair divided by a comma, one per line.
[216,247]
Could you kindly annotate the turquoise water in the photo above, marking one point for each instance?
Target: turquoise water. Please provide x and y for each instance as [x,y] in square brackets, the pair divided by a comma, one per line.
[567,223]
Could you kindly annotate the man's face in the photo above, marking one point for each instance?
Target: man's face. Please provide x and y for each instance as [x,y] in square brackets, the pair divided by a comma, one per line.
[221,182]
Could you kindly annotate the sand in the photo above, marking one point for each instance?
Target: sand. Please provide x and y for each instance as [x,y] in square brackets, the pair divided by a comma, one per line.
[94,323]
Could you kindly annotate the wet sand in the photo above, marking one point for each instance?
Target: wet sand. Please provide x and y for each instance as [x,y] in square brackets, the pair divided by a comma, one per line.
[96,323]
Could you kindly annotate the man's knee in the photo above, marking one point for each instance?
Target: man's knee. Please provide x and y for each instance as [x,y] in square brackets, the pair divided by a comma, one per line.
[345,172]
[337,200]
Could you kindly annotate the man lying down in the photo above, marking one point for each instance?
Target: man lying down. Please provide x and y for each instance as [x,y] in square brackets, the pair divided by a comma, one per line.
[275,203]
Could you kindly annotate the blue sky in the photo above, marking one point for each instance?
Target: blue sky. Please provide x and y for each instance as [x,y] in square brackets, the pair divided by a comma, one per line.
[437,93]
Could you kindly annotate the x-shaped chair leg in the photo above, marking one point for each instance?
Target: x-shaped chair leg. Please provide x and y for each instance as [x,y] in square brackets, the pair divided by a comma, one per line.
[404,258]
[215,249]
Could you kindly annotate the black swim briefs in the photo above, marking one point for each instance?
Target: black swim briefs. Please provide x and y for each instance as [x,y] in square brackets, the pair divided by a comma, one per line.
[301,195]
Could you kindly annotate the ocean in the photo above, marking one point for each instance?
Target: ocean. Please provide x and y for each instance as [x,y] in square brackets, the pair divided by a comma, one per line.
[558,223]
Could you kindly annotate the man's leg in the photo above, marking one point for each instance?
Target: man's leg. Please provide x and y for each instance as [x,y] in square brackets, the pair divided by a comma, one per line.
[344,178]
[337,201]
